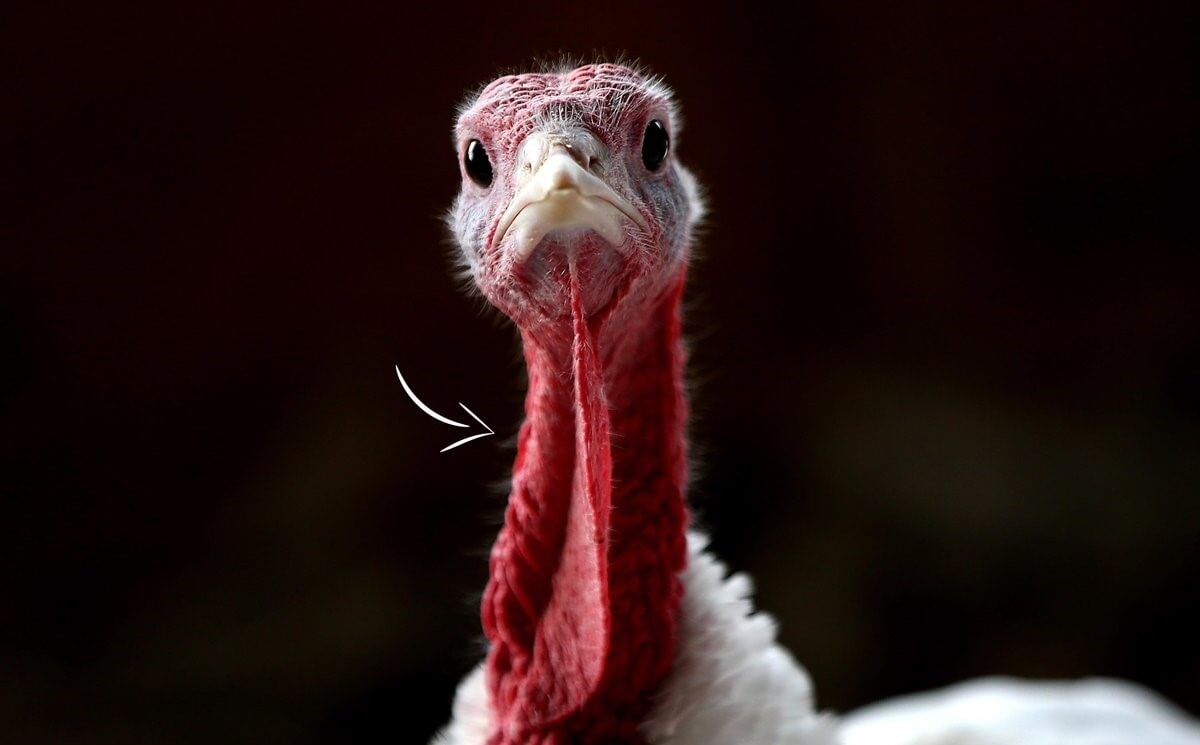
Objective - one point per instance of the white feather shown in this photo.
(1003, 711)
(732, 684)
(471, 717)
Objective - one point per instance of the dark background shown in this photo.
(946, 342)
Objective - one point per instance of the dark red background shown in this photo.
(946, 330)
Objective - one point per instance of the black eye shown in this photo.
(479, 168)
(655, 144)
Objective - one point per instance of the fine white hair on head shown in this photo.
(614, 101)
(648, 84)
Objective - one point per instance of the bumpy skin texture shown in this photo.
(613, 103)
(580, 608)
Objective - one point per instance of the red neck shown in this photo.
(581, 605)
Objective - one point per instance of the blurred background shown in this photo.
(945, 323)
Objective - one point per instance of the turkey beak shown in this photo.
(558, 189)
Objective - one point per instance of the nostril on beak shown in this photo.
(540, 148)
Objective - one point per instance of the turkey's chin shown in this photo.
(600, 267)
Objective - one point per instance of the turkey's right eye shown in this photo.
(479, 168)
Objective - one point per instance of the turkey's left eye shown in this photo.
(654, 145)
(479, 168)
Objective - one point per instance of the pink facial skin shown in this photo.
(613, 103)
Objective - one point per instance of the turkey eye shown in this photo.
(479, 168)
(654, 145)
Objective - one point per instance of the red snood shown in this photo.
(581, 605)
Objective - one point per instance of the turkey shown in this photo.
(606, 619)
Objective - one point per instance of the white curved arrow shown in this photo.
(445, 420)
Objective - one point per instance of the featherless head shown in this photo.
(571, 173)
(574, 218)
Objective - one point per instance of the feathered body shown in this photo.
(1004, 711)
(731, 682)
(606, 620)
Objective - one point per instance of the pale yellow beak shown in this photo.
(559, 194)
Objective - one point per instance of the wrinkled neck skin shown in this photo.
(582, 600)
